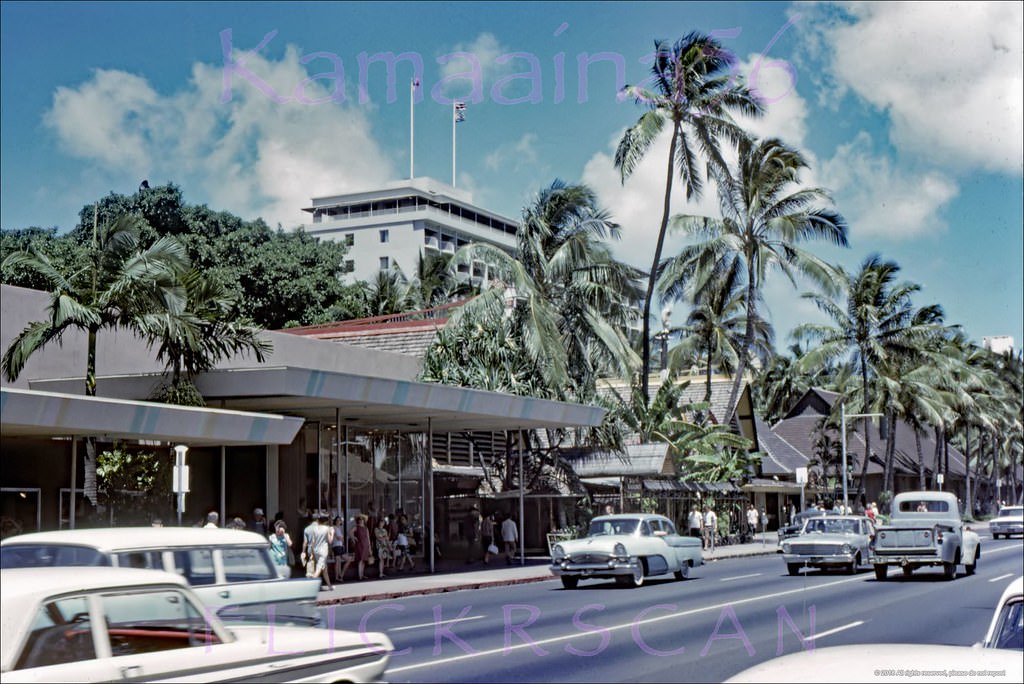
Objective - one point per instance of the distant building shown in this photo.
(397, 222)
(999, 344)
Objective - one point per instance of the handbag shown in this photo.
(371, 560)
(492, 549)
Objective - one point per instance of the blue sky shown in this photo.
(911, 115)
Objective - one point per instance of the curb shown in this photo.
(385, 595)
(485, 584)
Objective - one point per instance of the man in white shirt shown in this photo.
(752, 519)
(695, 522)
(710, 525)
(211, 519)
(509, 535)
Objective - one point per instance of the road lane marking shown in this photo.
(1001, 577)
(830, 632)
(632, 624)
(442, 622)
(729, 579)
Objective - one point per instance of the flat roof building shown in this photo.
(399, 221)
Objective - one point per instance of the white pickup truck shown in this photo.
(925, 529)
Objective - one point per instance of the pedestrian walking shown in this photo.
(487, 536)
(316, 544)
(509, 536)
(281, 546)
(752, 519)
(259, 523)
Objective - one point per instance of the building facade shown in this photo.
(395, 224)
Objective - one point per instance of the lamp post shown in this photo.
(843, 415)
(180, 478)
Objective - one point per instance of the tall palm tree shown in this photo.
(693, 92)
(763, 221)
(119, 282)
(568, 299)
(872, 325)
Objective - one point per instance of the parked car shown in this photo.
(1009, 521)
(114, 624)
(839, 542)
(628, 548)
(232, 571)
(925, 530)
(1007, 628)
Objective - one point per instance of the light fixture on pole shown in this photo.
(180, 478)
(843, 415)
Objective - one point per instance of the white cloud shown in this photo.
(947, 74)
(250, 155)
(481, 60)
(106, 119)
(880, 200)
(513, 156)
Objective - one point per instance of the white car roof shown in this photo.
(126, 538)
(23, 589)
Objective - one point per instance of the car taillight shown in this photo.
(938, 536)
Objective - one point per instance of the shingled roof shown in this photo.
(409, 333)
(800, 426)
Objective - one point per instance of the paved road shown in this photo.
(730, 615)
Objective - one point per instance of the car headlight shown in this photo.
(785, 547)
(620, 550)
(557, 553)
(846, 549)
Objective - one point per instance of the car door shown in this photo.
(61, 644)
(154, 632)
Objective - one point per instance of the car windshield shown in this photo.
(603, 526)
(831, 526)
(1011, 512)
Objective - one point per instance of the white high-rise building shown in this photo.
(397, 222)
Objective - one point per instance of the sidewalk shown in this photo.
(457, 575)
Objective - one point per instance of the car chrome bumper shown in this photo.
(612, 568)
(817, 561)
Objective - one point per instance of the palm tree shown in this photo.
(693, 93)
(207, 330)
(433, 284)
(119, 282)
(876, 324)
(715, 325)
(568, 300)
(762, 224)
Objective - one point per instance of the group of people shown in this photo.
(482, 529)
(705, 524)
(258, 524)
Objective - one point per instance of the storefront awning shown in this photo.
(30, 413)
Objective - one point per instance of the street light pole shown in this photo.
(843, 415)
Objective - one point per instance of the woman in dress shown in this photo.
(382, 545)
(280, 544)
(361, 535)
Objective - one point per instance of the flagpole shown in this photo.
(453, 144)
(412, 127)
